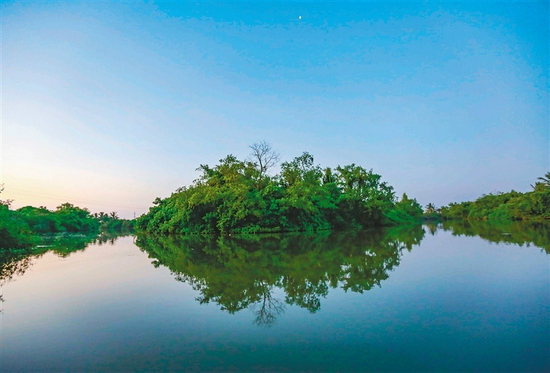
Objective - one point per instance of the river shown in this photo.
(425, 298)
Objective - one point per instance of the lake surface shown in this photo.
(453, 298)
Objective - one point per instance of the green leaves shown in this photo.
(239, 197)
(405, 211)
(534, 205)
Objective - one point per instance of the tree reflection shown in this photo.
(304, 293)
(15, 262)
(244, 272)
(512, 232)
(267, 309)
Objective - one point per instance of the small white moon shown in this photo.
(299, 17)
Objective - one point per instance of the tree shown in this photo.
(365, 198)
(543, 184)
(268, 309)
(237, 196)
(545, 179)
(301, 170)
(328, 176)
(430, 208)
(75, 219)
(264, 157)
(14, 232)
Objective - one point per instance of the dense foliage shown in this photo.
(14, 232)
(239, 196)
(112, 223)
(66, 218)
(534, 205)
(20, 228)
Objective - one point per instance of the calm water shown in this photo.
(417, 299)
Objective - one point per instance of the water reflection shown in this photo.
(107, 309)
(267, 273)
(513, 232)
(14, 262)
(238, 273)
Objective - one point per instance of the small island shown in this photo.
(239, 196)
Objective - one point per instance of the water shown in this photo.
(417, 299)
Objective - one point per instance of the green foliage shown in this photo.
(431, 213)
(76, 219)
(72, 219)
(21, 228)
(14, 232)
(40, 219)
(405, 211)
(534, 205)
(66, 218)
(112, 223)
(240, 197)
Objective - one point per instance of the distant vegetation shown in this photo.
(239, 196)
(21, 228)
(533, 205)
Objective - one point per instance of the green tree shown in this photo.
(301, 170)
(545, 179)
(365, 198)
(237, 196)
(430, 208)
(406, 210)
(14, 232)
(534, 205)
(75, 219)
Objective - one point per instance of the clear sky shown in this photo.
(108, 105)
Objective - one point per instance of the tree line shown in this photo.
(23, 227)
(240, 196)
(510, 206)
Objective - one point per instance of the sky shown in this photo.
(108, 105)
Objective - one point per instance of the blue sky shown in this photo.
(109, 105)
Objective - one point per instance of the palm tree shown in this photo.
(430, 208)
(543, 183)
(545, 179)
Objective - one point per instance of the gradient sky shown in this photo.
(109, 105)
